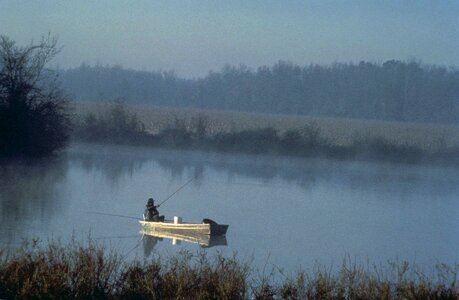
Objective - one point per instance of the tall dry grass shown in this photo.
(90, 271)
(58, 271)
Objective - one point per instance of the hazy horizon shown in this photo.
(195, 37)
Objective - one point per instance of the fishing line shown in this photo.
(135, 247)
(117, 237)
(177, 190)
(113, 215)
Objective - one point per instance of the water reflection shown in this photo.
(29, 192)
(114, 162)
(149, 243)
(333, 207)
(117, 162)
(150, 239)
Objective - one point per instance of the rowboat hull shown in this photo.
(204, 240)
(184, 228)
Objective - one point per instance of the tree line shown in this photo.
(394, 90)
(34, 112)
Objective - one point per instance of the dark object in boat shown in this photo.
(209, 221)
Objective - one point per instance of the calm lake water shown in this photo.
(283, 212)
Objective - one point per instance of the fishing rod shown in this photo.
(113, 215)
(129, 217)
(177, 190)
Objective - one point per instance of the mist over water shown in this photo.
(281, 211)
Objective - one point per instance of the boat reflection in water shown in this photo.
(207, 234)
(151, 238)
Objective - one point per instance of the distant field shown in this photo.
(429, 137)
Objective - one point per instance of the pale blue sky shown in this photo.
(194, 36)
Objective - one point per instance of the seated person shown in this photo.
(151, 212)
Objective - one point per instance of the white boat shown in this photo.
(207, 227)
(204, 240)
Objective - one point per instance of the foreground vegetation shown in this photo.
(121, 126)
(89, 271)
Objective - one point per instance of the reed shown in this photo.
(90, 271)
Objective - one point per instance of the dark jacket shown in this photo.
(151, 213)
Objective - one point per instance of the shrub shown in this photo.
(34, 117)
(117, 126)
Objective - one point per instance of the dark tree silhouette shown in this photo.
(34, 119)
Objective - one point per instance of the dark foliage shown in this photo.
(117, 126)
(394, 90)
(176, 134)
(33, 110)
(262, 140)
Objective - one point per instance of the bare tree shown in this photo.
(33, 109)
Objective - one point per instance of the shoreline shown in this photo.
(119, 124)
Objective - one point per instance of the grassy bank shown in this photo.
(89, 271)
(122, 125)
